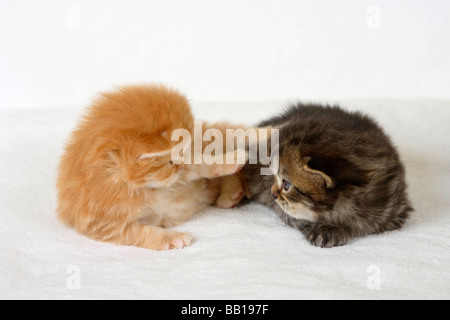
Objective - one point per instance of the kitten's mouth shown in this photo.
(283, 204)
(285, 207)
(299, 211)
(173, 179)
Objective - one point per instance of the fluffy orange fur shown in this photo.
(117, 182)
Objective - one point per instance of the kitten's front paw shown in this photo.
(238, 157)
(326, 236)
(230, 200)
(176, 240)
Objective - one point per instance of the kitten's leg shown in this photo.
(325, 236)
(162, 239)
(142, 235)
(239, 158)
(193, 172)
(231, 191)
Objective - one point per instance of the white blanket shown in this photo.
(242, 253)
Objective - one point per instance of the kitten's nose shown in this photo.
(180, 166)
(275, 191)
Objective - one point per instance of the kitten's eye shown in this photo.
(171, 163)
(286, 185)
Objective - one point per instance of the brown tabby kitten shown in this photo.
(339, 176)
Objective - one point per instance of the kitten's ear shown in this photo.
(328, 181)
(152, 155)
(339, 171)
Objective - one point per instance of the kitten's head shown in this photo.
(306, 186)
(155, 169)
(139, 122)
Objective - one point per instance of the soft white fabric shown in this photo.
(242, 253)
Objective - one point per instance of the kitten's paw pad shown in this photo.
(177, 240)
(226, 201)
(326, 237)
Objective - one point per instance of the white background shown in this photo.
(60, 53)
(238, 60)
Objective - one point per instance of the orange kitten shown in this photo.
(117, 182)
